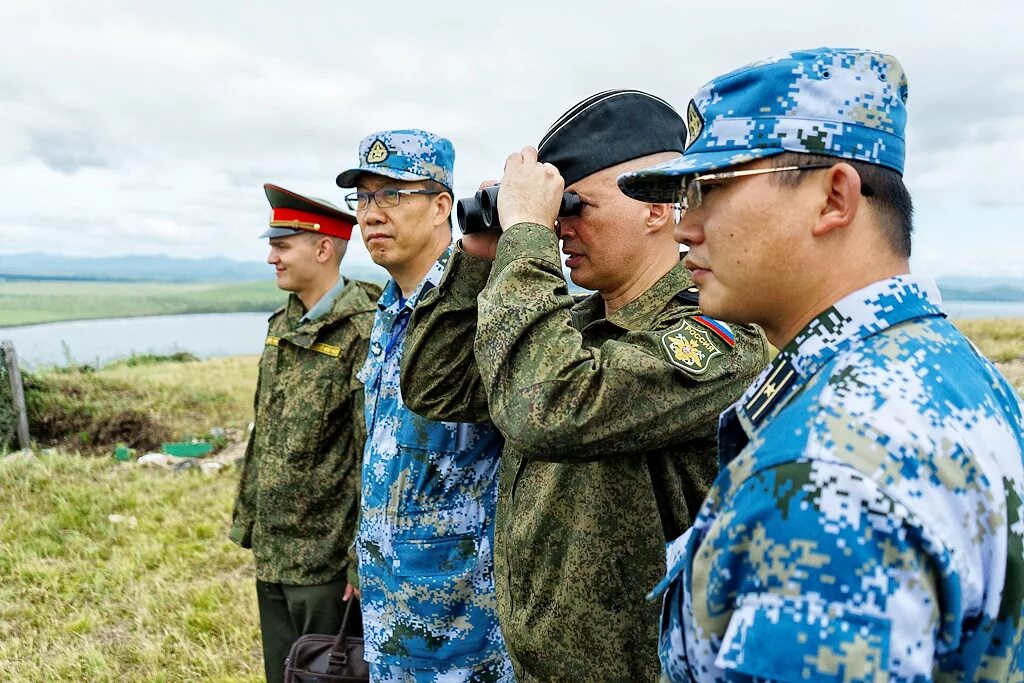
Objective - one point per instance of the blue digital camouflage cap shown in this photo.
(847, 103)
(409, 154)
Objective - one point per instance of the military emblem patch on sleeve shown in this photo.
(377, 153)
(690, 347)
(694, 123)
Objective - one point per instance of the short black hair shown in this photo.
(435, 186)
(883, 187)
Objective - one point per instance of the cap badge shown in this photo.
(690, 348)
(694, 123)
(377, 153)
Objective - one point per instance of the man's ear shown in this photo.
(658, 217)
(324, 249)
(841, 194)
(444, 208)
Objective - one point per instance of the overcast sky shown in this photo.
(149, 127)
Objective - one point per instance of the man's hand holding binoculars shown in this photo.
(531, 192)
(535, 194)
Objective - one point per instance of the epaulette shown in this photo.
(690, 295)
(372, 289)
(772, 389)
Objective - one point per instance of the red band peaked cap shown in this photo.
(290, 210)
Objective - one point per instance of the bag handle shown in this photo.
(339, 653)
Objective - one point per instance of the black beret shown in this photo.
(609, 128)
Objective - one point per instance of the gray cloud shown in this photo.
(151, 127)
(67, 153)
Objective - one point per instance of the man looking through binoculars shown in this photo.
(608, 406)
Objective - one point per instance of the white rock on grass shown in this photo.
(156, 460)
(210, 468)
(121, 519)
(25, 454)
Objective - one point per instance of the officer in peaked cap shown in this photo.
(867, 523)
(292, 214)
(309, 418)
(608, 406)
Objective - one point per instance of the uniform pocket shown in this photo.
(435, 557)
(822, 637)
(419, 433)
(438, 574)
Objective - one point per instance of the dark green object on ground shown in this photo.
(186, 449)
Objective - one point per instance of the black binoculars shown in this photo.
(480, 212)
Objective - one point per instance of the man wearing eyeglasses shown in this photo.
(866, 525)
(429, 489)
(297, 499)
(608, 405)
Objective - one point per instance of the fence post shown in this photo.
(17, 392)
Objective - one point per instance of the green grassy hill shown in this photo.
(26, 303)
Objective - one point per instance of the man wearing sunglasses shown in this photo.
(608, 405)
(866, 525)
(429, 488)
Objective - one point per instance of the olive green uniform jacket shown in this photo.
(298, 498)
(596, 412)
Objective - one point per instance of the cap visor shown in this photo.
(350, 177)
(280, 232)
(661, 183)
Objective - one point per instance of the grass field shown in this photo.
(167, 599)
(85, 599)
(25, 303)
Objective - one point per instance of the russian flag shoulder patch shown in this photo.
(720, 329)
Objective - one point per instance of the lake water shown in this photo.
(100, 341)
(230, 334)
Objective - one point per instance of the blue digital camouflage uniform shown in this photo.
(426, 534)
(866, 524)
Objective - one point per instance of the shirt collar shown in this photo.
(392, 294)
(638, 313)
(326, 302)
(856, 316)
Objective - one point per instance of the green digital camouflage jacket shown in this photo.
(595, 412)
(297, 499)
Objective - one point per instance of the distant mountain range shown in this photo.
(960, 288)
(39, 266)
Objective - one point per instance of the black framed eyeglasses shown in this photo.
(692, 194)
(386, 198)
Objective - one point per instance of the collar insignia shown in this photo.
(776, 386)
